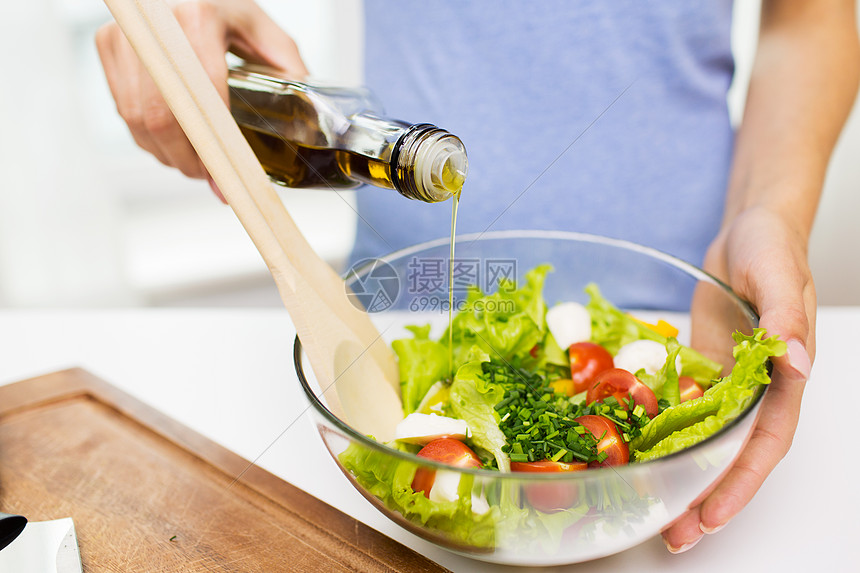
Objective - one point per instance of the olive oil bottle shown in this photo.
(312, 136)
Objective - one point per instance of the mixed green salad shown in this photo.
(524, 388)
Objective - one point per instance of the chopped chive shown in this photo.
(540, 425)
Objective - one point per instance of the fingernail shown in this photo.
(798, 358)
(683, 548)
(215, 189)
(710, 530)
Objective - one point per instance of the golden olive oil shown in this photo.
(455, 203)
(294, 165)
(313, 136)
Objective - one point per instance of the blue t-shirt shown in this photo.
(600, 117)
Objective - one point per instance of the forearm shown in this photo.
(803, 84)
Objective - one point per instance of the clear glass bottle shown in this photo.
(332, 137)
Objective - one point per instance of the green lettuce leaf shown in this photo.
(664, 382)
(505, 324)
(674, 419)
(749, 372)
(473, 400)
(529, 297)
(390, 480)
(422, 362)
(553, 353)
(610, 327)
(505, 524)
(690, 422)
(682, 439)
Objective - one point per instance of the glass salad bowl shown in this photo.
(540, 518)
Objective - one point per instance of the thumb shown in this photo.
(784, 295)
(765, 261)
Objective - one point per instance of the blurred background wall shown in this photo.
(87, 219)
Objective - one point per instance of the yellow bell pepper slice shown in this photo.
(662, 327)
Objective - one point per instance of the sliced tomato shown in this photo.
(623, 385)
(587, 360)
(563, 386)
(689, 388)
(552, 496)
(608, 440)
(447, 451)
(547, 466)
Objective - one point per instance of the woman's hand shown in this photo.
(803, 85)
(213, 28)
(764, 260)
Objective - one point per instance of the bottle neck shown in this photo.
(428, 164)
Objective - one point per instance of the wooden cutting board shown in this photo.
(148, 494)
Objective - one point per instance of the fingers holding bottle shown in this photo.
(213, 28)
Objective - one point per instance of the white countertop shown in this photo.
(228, 374)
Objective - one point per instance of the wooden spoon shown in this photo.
(344, 347)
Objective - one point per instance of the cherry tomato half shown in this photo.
(622, 384)
(689, 389)
(547, 466)
(552, 496)
(587, 360)
(608, 440)
(447, 451)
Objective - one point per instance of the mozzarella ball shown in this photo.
(643, 354)
(569, 323)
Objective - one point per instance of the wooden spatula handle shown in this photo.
(334, 333)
